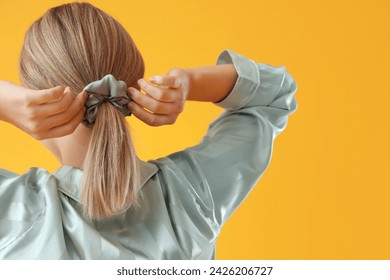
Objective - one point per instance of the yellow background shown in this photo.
(326, 192)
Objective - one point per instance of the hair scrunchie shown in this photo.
(108, 89)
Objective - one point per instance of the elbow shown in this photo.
(285, 101)
(289, 87)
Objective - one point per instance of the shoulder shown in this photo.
(23, 200)
(32, 180)
(25, 192)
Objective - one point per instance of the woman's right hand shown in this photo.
(164, 101)
(43, 114)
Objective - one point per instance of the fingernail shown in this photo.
(153, 78)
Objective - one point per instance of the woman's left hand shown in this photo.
(164, 101)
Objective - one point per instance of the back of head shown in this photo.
(73, 45)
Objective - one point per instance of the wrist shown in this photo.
(193, 78)
(9, 96)
(3, 100)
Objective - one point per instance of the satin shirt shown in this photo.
(186, 196)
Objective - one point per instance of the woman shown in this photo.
(105, 203)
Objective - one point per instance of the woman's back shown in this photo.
(184, 199)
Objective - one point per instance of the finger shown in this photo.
(80, 100)
(74, 109)
(58, 106)
(158, 93)
(47, 95)
(150, 118)
(146, 101)
(67, 128)
(165, 80)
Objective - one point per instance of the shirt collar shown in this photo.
(70, 178)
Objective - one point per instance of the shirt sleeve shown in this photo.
(235, 152)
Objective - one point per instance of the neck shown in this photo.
(71, 150)
(75, 147)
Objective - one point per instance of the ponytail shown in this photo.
(111, 178)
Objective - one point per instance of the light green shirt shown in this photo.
(187, 196)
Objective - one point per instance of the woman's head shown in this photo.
(76, 44)
(73, 45)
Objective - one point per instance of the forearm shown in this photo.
(211, 83)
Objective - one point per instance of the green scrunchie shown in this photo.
(109, 90)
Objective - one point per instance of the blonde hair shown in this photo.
(73, 45)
